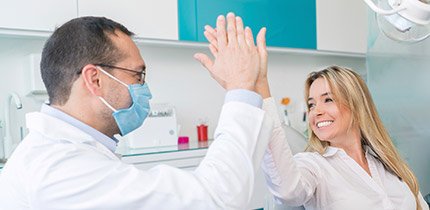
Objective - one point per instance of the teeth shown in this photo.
(324, 123)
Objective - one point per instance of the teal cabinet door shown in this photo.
(289, 23)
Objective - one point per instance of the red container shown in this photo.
(202, 132)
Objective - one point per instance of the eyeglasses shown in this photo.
(142, 73)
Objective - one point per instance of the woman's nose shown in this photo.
(318, 110)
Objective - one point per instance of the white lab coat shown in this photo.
(57, 166)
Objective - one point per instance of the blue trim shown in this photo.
(187, 20)
(288, 23)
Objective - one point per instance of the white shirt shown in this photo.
(332, 181)
(59, 166)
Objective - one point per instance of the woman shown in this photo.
(350, 162)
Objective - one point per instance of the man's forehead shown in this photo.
(128, 49)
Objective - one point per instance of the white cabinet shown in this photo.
(342, 26)
(148, 18)
(40, 15)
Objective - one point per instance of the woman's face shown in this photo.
(327, 120)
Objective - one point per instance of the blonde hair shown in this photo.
(350, 90)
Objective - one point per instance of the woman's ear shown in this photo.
(91, 78)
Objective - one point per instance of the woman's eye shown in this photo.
(311, 106)
(328, 100)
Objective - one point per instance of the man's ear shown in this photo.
(91, 78)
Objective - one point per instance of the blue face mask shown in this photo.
(131, 118)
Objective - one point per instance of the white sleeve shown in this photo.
(291, 181)
(230, 165)
(223, 180)
(225, 177)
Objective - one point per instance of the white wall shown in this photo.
(342, 25)
(173, 76)
(14, 61)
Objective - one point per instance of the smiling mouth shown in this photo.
(324, 123)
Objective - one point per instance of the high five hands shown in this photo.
(238, 63)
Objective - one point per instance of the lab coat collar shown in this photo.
(44, 123)
(54, 128)
(110, 143)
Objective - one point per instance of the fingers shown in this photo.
(210, 35)
(242, 35)
(262, 52)
(261, 46)
(235, 33)
(237, 62)
(248, 37)
(231, 29)
(213, 44)
(262, 86)
(209, 65)
(240, 31)
(213, 50)
(204, 60)
(211, 30)
(261, 40)
(220, 32)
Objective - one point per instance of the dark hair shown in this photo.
(79, 42)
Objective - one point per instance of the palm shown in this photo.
(237, 59)
(211, 36)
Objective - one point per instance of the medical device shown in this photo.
(159, 128)
(403, 20)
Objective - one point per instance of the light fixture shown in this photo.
(403, 20)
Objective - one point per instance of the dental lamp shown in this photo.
(403, 20)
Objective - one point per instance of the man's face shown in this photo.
(118, 94)
(115, 93)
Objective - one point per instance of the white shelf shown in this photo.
(203, 45)
(169, 43)
(18, 33)
(314, 52)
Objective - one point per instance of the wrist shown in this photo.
(245, 86)
(263, 89)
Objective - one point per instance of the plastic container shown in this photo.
(202, 132)
(183, 142)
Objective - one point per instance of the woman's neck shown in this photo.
(353, 147)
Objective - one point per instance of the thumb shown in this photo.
(204, 60)
(261, 46)
(261, 40)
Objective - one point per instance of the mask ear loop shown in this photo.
(107, 104)
(109, 75)
(112, 77)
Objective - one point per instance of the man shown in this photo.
(95, 78)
